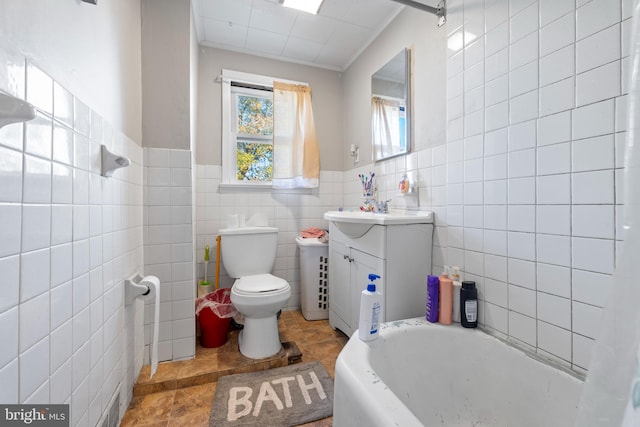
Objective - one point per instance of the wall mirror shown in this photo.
(390, 107)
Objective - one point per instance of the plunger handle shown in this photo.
(218, 239)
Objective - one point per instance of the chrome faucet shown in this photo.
(382, 207)
(371, 204)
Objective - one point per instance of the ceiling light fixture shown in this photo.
(309, 6)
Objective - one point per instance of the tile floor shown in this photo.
(181, 393)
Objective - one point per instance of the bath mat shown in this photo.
(280, 397)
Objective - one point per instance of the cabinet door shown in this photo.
(339, 286)
(362, 265)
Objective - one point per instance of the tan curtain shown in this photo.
(385, 126)
(296, 158)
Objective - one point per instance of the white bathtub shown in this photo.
(422, 374)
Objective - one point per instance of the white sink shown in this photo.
(356, 223)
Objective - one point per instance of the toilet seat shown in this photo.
(260, 284)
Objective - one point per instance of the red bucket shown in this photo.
(214, 329)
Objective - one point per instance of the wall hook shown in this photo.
(111, 162)
(14, 110)
(355, 153)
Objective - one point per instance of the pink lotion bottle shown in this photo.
(445, 311)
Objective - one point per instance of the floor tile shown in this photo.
(181, 393)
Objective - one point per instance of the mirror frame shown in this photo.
(408, 90)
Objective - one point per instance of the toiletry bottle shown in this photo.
(404, 184)
(455, 277)
(445, 311)
(370, 305)
(433, 285)
(469, 304)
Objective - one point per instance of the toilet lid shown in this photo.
(260, 283)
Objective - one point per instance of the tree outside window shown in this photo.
(254, 131)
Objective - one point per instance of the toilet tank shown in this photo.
(248, 250)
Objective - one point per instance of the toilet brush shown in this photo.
(206, 285)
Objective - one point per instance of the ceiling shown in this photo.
(332, 39)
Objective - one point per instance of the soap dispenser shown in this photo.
(370, 306)
(404, 185)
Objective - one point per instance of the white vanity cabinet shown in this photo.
(349, 269)
(399, 254)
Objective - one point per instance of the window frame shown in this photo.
(229, 116)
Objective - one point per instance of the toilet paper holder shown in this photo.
(139, 286)
(133, 288)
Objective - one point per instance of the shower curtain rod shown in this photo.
(440, 10)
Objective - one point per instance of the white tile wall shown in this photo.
(553, 131)
(169, 250)
(65, 244)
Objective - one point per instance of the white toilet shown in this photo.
(248, 255)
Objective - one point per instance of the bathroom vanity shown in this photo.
(395, 246)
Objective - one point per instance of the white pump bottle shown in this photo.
(370, 307)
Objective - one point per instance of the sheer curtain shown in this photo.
(385, 126)
(296, 158)
(611, 394)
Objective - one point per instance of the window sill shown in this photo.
(250, 188)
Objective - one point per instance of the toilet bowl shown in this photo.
(248, 255)
(259, 337)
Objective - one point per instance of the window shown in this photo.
(247, 129)
(258, 151)
(253, 133)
